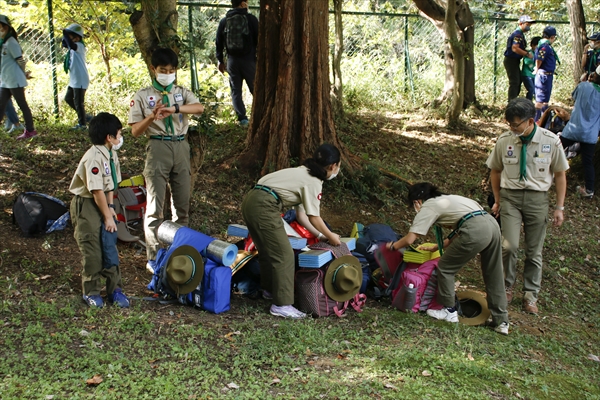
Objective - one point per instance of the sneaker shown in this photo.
(286, 312)
(584, 193)
(151, 266)
(27, 134)
(530, 306)
(79, 127)
(17, 127)
(267, 295)
(445, 314)
(509, 295)
(94, 301)
(502, 328)
(244, 122)
(117, 297)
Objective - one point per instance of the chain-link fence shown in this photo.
(389, 60)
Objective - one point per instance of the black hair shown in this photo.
(422, 191)
(162, 57)
(102, 125)
(323, 157)
(12, 31)
(594, 78)
(534, 41)
(519, 108)
(236, 3)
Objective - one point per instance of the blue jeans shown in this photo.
(240, 70)
(529, 83)
(11, 115)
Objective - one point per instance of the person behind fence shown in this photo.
(591, 56)
(13, 76)
(515, 51)
(238, 34)
(527, 75)
(93, 212)
(474, 231)
(545, 65)
(523, 163)
(12, 122)
(161, 112)
(262, 208)
(583, 128)
(74, 65)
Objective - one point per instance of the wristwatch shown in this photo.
(111, 206)
(560, 208)
(176, 108)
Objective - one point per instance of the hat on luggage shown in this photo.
(474, 308)
(343, 278)
(184, 269)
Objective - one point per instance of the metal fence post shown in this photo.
(193, 70)
(495, 57)
(406, 61)
(53, 58)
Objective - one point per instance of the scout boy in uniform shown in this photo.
(160, 111)
(93, 212)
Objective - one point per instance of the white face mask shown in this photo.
(165, 79)
(119, 145)
(334, 174)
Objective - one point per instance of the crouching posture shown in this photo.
(474, 231)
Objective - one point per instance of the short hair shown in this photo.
(519, 108)
(594, 78)
(162, 57)
(422, 191)
(236, 3)
(534, 41)
(102, 125)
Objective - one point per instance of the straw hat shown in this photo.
(184, 270)
(242, 259)
(474, 308)
(343, 278)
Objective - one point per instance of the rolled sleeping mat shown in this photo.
(217, 250)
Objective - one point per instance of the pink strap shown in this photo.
(338, 312)
(358, 301)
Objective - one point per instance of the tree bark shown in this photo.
(291, 110)
(338, 87)
(457, 47)
(578, 31)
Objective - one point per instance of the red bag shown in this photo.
(416, 275)
(305, 233)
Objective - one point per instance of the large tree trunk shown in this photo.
(457, 47)
(577, 20)
(338, 88)
(291, 111)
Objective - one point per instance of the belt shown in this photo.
(464, 219)
(547, 73)
(268, 190)
(169, 138)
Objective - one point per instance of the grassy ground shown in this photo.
(52, 344)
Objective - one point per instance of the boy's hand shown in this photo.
(428, 247)
(164, 112)
(110, 225)
(334, 239)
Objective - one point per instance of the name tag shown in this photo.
(541, 160)
(178, 97)
(546, 148)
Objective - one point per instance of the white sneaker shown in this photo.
(444, 314)
(502, 328)
(286, 312)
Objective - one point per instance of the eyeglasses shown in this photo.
(513, 126)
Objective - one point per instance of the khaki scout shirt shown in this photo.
(93, 172)
(295, 186)
(146, 99)
(545, 156)
(445, 210)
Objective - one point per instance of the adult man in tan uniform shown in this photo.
(160, 111)
(523, 163)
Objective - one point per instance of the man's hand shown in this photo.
(558, 218)
(110, 225)
(221, 67)
(334, 239)
(496, 210)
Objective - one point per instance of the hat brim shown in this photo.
(241, 260)
(476, 302)
(191, 251)
(328, 281)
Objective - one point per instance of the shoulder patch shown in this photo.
(132, 103)
(319, 196)
(95, 170)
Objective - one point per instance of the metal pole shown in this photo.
(406, 61)
(193, 71)
(53, 58)
(495, 57)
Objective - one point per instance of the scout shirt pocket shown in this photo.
(511, 167)
(541, 166)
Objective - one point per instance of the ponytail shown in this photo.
(323, 157)
(422, 191)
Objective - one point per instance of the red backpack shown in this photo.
(415, 280)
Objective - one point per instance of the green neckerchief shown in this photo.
(544, 41)
(113, 168)
(3, 40)
(592, 60)
(165, 100)
(525, 140)
(67, 60)
(596, 86)
(439, 238)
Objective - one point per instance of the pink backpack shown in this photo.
(413, 283)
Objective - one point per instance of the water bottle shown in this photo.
(406, 298)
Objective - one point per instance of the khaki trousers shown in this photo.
(262, 214)
(530, 209)
(167, 162)
(87, 222)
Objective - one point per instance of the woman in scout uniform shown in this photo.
(161, 112)
(74, 65)
(13, 76)
(93, 212)
(474, 231)
(262, 208)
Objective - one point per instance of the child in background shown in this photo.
(527, 75)
(12, 122)
(93, 212)
(74, 64)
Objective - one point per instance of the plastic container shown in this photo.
(406, 298)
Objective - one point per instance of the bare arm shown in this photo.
(560, 180)
(317, 222)
(303, 220)
(495, 181)
(516, 49)
(404, 242)
(195, 108)
(102, 203)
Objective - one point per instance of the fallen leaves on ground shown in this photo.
(94, 380)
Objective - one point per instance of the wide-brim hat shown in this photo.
(474, 308)
(4, 19)
(75, 29)
(184, 269)
(343, 278)
(241, 260)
